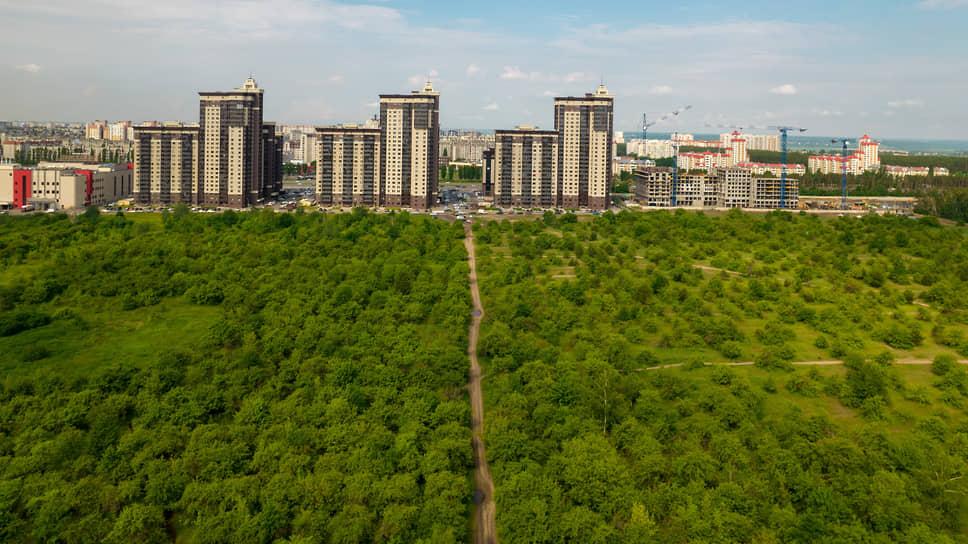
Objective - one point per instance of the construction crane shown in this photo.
(646, 124)
(675, 160)
(843, 173)
(783, 149)
(675, 166)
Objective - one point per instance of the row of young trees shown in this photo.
(587, 446)
(294, 169)
(453, 172)
(309, 389)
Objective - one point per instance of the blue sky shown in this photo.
(890, 68)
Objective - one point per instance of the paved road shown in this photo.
(485, 530)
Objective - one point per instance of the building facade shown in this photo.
(656, 149)
(231, 133)
(64, 186)
(584, 126)
(271, 160)
(867, 157)
(167, 162)
(487, 171)
(348, 169)
(721, 188)
(468, 148)
(409, 134)
(758, 142)
(654, 189)
(526, 168)
(703, 161)
(307, 148)
(230, 158)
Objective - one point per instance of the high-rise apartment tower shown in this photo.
(584, 126)
(348, 166)
(231, 132)
(166, 164)
(526, 167)
(409, 134)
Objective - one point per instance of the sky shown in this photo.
(893, 69)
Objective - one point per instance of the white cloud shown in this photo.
(492, 107)
(784, 90)
(337, 79)
(256, 18)
(513, 73)
(549, 93)
(660, 90)
(942, 4)
(578, 76)
(420, 79)
(31, 68)
(906, 103)
(473, 70)
(826, 113)
(745, 35)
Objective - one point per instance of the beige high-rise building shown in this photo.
(231, 133)
(119, 130)
(584, 126)
(737, 149)
(348, 166)
(525, 170)
(308, 144)
(410, 130)
(167, 164)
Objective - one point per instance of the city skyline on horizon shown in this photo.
(835, 69)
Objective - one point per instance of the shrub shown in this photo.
(873, 408)
(769, 360)
(34, 352)
(943, 364)
(21, 320)
(884, 358)
(722, 375)
(731, 350)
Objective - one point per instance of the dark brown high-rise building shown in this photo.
(232, 143)
(488, 170)
(348, 166)
(167, 164)
(409, 138)
(271, 160)
(526, 167)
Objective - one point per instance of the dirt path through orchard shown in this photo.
(485, 530)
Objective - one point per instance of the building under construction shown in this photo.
(720, 188)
